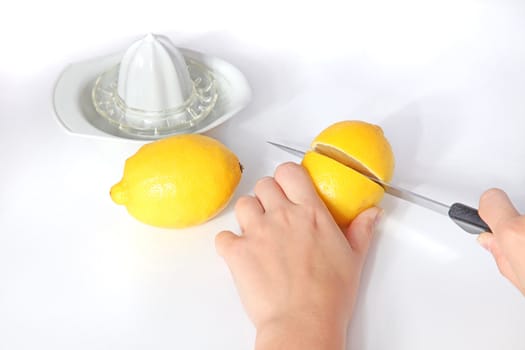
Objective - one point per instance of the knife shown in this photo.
(465, 216)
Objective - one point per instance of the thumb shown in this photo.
(361, 229)
(495, 207)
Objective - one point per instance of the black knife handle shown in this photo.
(468, 218)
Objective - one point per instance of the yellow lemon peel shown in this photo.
(340, 154)
(179, 181)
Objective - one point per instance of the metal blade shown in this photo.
(413, 197)
(290, 150)
(393, 190)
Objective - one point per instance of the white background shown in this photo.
(445, 79)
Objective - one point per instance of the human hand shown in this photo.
(507, 242)
(296, 272)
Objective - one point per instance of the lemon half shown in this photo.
(340, 155)
(179, 181)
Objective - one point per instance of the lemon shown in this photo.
(179, 181)
(339, 156)
(359, 145)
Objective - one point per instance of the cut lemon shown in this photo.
(340, 155)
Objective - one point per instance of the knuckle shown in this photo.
(242, 202)
(223, 243)
(262, 182)
(231, 248)
(286, 169)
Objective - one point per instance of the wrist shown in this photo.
(304, 332)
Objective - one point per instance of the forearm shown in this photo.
(301, 334)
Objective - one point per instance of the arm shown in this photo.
(507, 243)
(296, 272)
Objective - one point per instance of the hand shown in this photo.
(507, 242)
(296, 272)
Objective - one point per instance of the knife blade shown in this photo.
(463, 215)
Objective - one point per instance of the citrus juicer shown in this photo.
(154, 90)
(151, 90)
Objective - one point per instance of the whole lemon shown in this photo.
(339, 156)
(178, 181)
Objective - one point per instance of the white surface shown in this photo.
(445, 79)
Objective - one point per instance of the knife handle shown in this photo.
(468, 218)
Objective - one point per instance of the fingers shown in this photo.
(269, 193)
(291, 183)
(507, 242)
(360, 232)
(488, 241)
(248, 209)
(296, 184)
(224, 243)
(495, 207)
